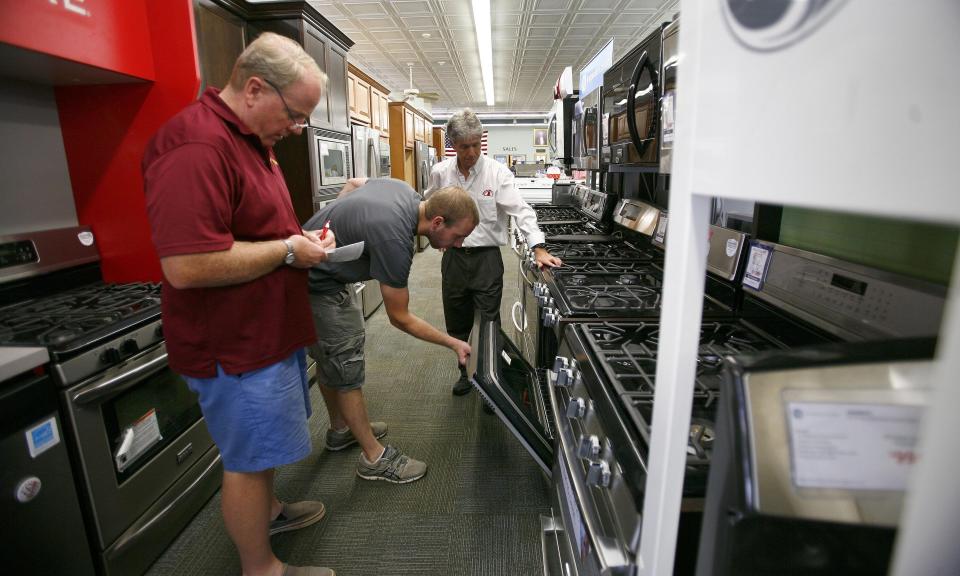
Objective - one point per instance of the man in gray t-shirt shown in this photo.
(385, 214)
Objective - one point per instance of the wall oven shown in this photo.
(331, 164)
(631, 107)
(145, 462)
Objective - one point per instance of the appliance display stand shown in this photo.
(835, 124)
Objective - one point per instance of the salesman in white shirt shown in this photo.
(473, 274)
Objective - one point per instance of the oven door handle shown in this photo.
(641, 143)
(110, 385)
(513, 316)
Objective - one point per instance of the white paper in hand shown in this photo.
(345, 253)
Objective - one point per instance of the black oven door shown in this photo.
(516, 391)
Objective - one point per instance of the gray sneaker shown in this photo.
(340, 440)
(392, 466)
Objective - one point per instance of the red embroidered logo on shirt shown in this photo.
(488, 192)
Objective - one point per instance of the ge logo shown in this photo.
(775, 24)
(72, 6)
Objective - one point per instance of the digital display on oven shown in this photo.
(858, 287)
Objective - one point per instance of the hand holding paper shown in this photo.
(345, 253)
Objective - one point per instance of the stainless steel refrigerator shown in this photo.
(424, 157)
(367, 164)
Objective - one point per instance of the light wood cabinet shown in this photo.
(439, 141)
(385, 114)
(359, 95)
(408, 126)
(420, 128)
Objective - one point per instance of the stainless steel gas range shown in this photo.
(586, 416)
(144, 462)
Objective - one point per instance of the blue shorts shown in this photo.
(258, 419)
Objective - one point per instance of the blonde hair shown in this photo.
(453, 203)
(275, 58)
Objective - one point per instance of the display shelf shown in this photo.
(818, 121)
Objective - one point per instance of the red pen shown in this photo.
(323, 231)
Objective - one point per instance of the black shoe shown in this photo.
(462, 386)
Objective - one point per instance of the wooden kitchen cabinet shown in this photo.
(439, 141)
(385, 114)
(221, 37)
(408, 126)
(359, 97)
(419, 128)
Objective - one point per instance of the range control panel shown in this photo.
(18, 253)
(863, 302)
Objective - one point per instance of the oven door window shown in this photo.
(514, 389)
(145, 418)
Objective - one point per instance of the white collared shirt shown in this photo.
(490, 184)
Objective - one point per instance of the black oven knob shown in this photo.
(576, 409)
(110, 356)
(559, 363)
(129, 347)
(159, 331)
(589, 447)
(598, 474)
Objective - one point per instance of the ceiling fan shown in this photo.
(411, 92)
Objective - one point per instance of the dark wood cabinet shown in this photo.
(221, 37)
(223, 29)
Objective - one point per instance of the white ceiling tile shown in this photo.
(366, 8)
(646, 4)
(553, 5)
(547, 19)
(404, 7)
(427, 23)
(543, 32)
(376, 24)
(586, 19)
(540, 42)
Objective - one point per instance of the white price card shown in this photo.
(137, 439)
(757, 263)
(852, 446)
(660, 234)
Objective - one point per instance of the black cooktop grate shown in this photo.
(75, 314)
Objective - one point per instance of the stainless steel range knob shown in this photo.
(564, 377)
(540, 289)
(589, 448)
(598, 474)
(577, 408)
(551, 317)
(559, 363)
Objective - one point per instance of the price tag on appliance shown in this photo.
(660, 235)
(42, 437)
(667, 116)
(852, 446)
(757, 264)
(137, 439)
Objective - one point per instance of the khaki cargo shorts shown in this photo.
(340, 339)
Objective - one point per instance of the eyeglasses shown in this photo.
(294, 120)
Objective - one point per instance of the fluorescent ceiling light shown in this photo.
(481, 20)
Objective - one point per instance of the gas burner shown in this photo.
(62, 318)
(628, 279)
(578, 279)
(700, 442)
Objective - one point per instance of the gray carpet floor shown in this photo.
(476, 512)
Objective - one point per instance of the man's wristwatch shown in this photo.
(290, 258)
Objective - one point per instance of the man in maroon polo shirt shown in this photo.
(236, 311)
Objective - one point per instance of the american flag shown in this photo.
(449, 152)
